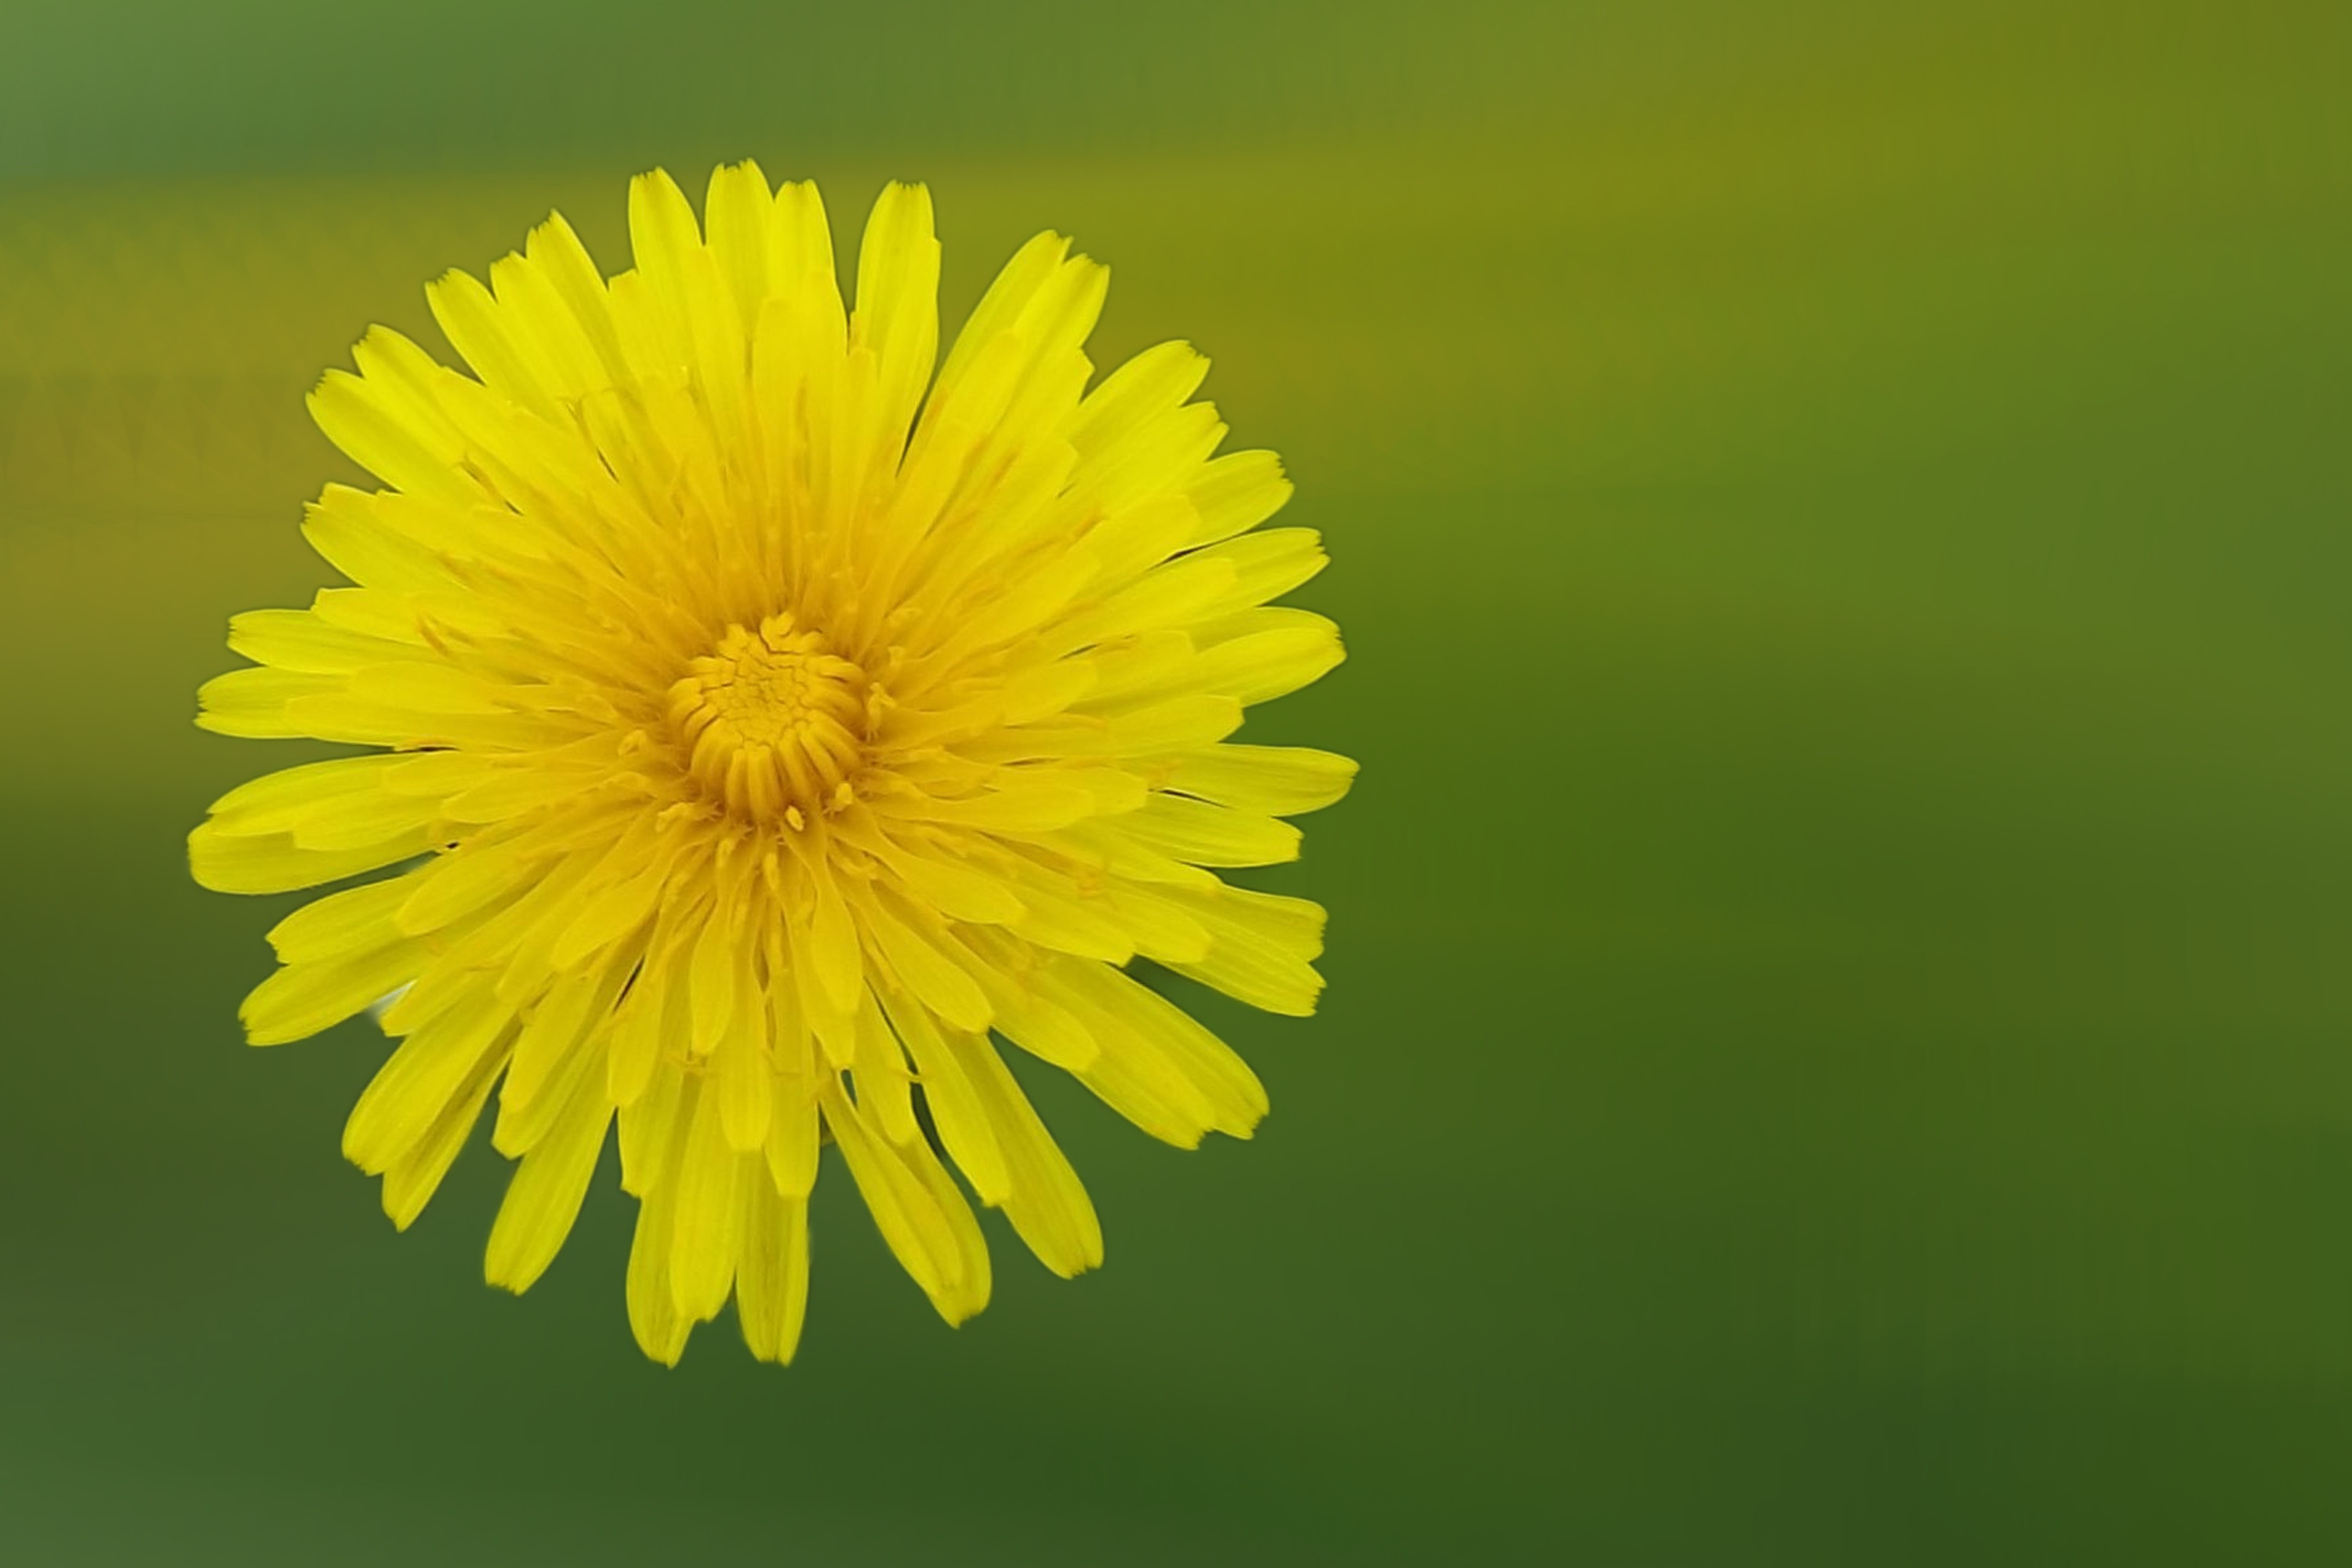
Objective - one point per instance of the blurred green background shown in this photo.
(1840, 1041)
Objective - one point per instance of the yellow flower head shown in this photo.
(760, 727)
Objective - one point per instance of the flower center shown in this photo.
(772, 721)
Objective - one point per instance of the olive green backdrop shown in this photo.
(1840, 1038)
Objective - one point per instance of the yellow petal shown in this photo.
(1265, 565)
(738, 212)
(410, 1182)
(1262, 949)
(544, 1195)
(793, 1135)
(662, 237)
(1047, 1205)
(1103, 846)
(470, 317)
(1035, 1024)
(302, 999)
(641, 1024)
(970, 1293)
(609, 911)
(1276, 781)
(833, 951)
(802, 240)
(274, 863)
(771, 1273)
(300, 640)
(1157, 1038)
(551, 1050)
(1201, 833)
(1190, 588)
(1277, 984)
(388, 420)
(905, 1209)
(884, 1088)
(348, 528)
(927, 970)
(572, 276)
(1294, 649)
(347, 803)
(341, 923)
(897, 303)
(274, 802)
(1155, 380)
(710, 983)
(953, 888)
(1020, 802)
(649, 1130)
(562, 352)
(1031, 268)
(713, 1183)
(746, 1084)
(1151, 1097)
(1161, 929)
(1157, 454)
(254, 703)
(1176, 725)
(955, 1109)
(1236, 492)
(473, 875)
(433, 1066)
(661, 1329)
(1089, 929)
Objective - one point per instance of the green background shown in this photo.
(1840, 1037)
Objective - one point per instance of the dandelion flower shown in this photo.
(763, 735)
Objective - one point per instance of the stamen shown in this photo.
(773, 722)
